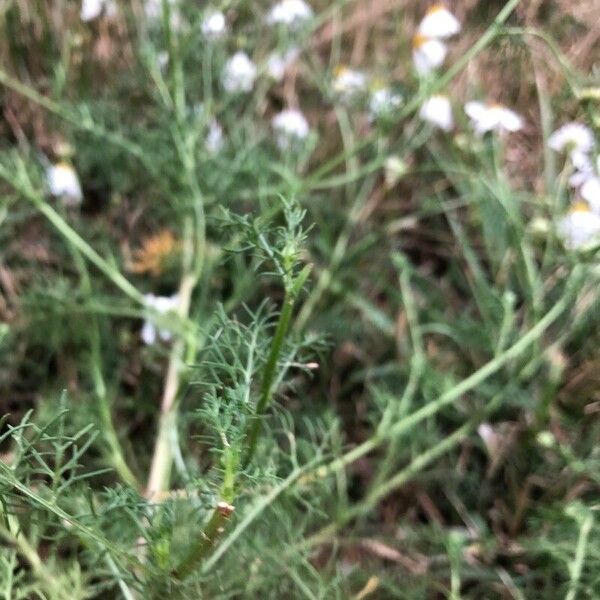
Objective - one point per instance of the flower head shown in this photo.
(92, 9)
(289, 12)
(63, 183)
(214, 25)
(437, 110)
(428, 53)
(492, 117)
(573, 137)
(290, 127)
(277, 62)
(383, 100)
(162, 305)
(590, 192)
(239, 73)
(348, 82)
(580, 227)
(214, 138)
(439, 22)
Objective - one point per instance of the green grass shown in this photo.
(313, 427)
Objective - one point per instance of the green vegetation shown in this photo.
(245, 353)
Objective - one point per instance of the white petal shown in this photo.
(574, 136)
(492, 117)
(578, 228)
(290, 126)
(383, 101)
(289, 12)
(439, 22)
(581, 161)
(148, 333)
(428, 55)
(349, 82)
(437, 110)
(63, 182)
(510, 120)
(214, 25)
(239, 73)
(475, 110)
(90, 9)
(214, 139)
(590, 191)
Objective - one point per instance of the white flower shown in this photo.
(214, 25)
(428, 53)
(573, 137)
(579, 227)
(289, 12)
(437, 110)
(590, 191)
(348, 81)
(383, 100)
(162, 59)
(277, 63)
(439, 22)
(214, 138)
(239, 73)
(91, 9)
(290, 127)
(395, 169)
(162, 305)
(63, 183)
(492, 117)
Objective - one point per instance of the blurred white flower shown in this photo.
(348, 82)
(63, 183)
(163, 305)
(584, 168)
(289, 12)
(92, 9)
(277, 63)
(428, 53)
(382, 101)
(579, 227)
(162, 59)
(214, 138)
(437, 110)
(214, 25)
(290, 127)
(492, 117)
(239, 73)
(573, 137)
(395, 169)
(439, 22)
(590, 192)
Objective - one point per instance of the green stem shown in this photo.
(74, 238)
(461, 388)
(266, 388)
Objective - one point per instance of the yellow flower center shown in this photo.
(435, 8)
(579, 206)
(418, 40)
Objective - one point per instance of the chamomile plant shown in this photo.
(298, 300)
